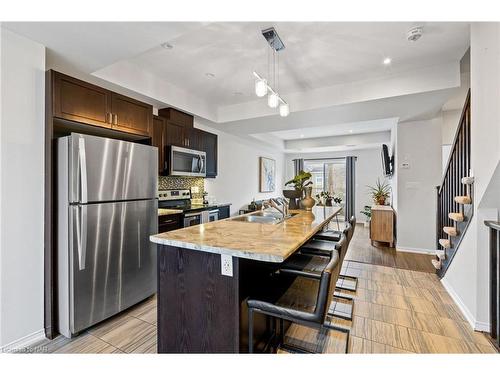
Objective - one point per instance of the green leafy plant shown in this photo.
(324, 194)
(367, 211)
(380, 192)
(337, 200)
(328, 198)
(300, 181)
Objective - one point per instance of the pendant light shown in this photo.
(273, 100)
(262, 87)
(284, 109)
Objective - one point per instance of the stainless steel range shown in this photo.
(194, 214)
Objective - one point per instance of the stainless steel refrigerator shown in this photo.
(106, 211)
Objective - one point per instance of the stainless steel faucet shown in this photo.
(272, 203)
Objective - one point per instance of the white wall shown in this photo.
(237, 181)
(467, 277)
(419, 144)
(22, 188)
(368, 169)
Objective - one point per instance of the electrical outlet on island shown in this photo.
(226, 262)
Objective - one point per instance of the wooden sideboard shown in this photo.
(382, 225)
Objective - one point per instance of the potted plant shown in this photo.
(380, 192)
(337, 200)
(367, 211)
(324, 198)
(300, 182)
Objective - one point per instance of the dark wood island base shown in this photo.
(202, 311)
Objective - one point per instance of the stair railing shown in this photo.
(458, 166)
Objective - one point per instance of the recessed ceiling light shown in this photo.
(302, 136)
(210, 75)
(167, 45)
(350, 131)
(387, 61)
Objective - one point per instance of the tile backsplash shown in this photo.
(165, 183)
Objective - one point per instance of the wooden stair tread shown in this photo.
(463, 199)
(445, 243)
(436, 263)
(456, 216)
(450, 231)
(467, 180)
(441, 254)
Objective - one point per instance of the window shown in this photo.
(327, 175)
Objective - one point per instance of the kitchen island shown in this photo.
(202, 310)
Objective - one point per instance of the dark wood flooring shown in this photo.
(362, 251)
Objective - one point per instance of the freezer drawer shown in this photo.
(111, 262)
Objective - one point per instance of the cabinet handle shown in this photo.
(109, 117)
(115, 119)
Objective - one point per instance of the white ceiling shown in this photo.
(317, 54)
(336, 129)
(332, 72)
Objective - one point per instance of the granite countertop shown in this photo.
(168, 211)
(264, 242)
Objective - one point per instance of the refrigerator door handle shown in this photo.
(82, 160)
(81, 236)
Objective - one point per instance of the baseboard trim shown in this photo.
(23, 344)
(415, 250)
(482, 326)
(477, 326)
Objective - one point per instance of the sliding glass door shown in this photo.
(328, 175)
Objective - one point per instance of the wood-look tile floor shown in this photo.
(396, 311)
(132, 331)
(399, 307)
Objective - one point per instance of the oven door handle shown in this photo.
(193, 214)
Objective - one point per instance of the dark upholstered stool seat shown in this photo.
(328, 235)
(299, 263)
(318, 247)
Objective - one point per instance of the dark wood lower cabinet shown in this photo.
(202, 311)
(224, 212)
(167, 223)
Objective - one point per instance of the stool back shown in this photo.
(329, 277)
(352, 222)
(343, 244)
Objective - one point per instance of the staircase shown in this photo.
(454, 196)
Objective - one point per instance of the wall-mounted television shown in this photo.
(387, 161)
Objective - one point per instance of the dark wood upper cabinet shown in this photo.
(178, 117)
(131, 115)
(175, 134)
(193, 138)
(80, 101)
(208, 143)
(158, 140)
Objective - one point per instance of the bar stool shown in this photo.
(314, 317)
(345, 282)
(309, 264)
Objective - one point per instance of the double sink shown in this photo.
(263, 217)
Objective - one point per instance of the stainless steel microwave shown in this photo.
(187, 162)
